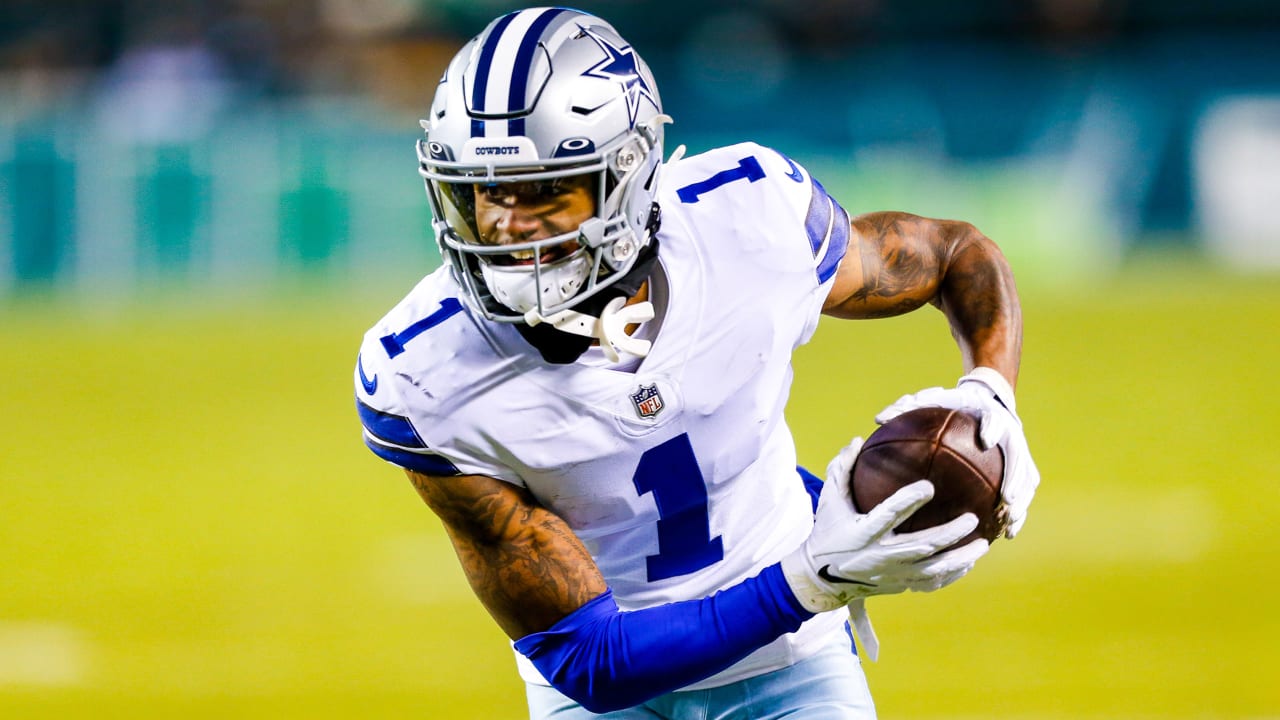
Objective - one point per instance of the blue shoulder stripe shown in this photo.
(837, 246)
(827, 225)
(393, 429)
(397, 430)
(818, 220)
(425, 463)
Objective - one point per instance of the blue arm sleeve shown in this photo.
(607, 660)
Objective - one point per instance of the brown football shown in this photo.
(939, 445)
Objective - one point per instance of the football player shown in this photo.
(590, 392)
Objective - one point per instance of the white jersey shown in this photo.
(678, 473)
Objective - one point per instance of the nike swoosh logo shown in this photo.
(794, 174)
(370, 386)
(825, 574)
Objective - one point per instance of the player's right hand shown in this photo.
(987, 395)
(850, 555)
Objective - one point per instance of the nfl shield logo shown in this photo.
(648, 400)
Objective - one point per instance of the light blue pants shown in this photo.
(827, 686)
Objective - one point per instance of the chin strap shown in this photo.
(562, 337)
(610, 328)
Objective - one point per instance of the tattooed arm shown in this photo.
(523, 562)
(545, 591)
(897, 262)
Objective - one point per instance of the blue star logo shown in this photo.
(619, 65)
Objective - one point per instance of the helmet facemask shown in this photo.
(542, 95)
(516, 281)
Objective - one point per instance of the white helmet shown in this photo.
(539, 95)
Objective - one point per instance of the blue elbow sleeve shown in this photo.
(606, 659)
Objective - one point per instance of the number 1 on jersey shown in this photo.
(670, 471)
(748, 169)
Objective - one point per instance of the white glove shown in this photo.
(886, 562)
(986, 394)
(850, 556)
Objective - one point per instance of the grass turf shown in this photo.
(190, 525)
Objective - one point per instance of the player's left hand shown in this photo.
(986, 394)
(932, 573)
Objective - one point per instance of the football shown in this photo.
(939, 445)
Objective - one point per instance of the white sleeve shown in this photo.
(825, 223)
(388, 431)
(827, 231)
(781, 219)
(408, 397)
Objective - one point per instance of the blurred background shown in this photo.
(225, 141)
(204, 203)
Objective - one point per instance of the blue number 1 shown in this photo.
(748, 169)
(394, 343)
(670, 471)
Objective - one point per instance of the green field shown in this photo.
(191, 527)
